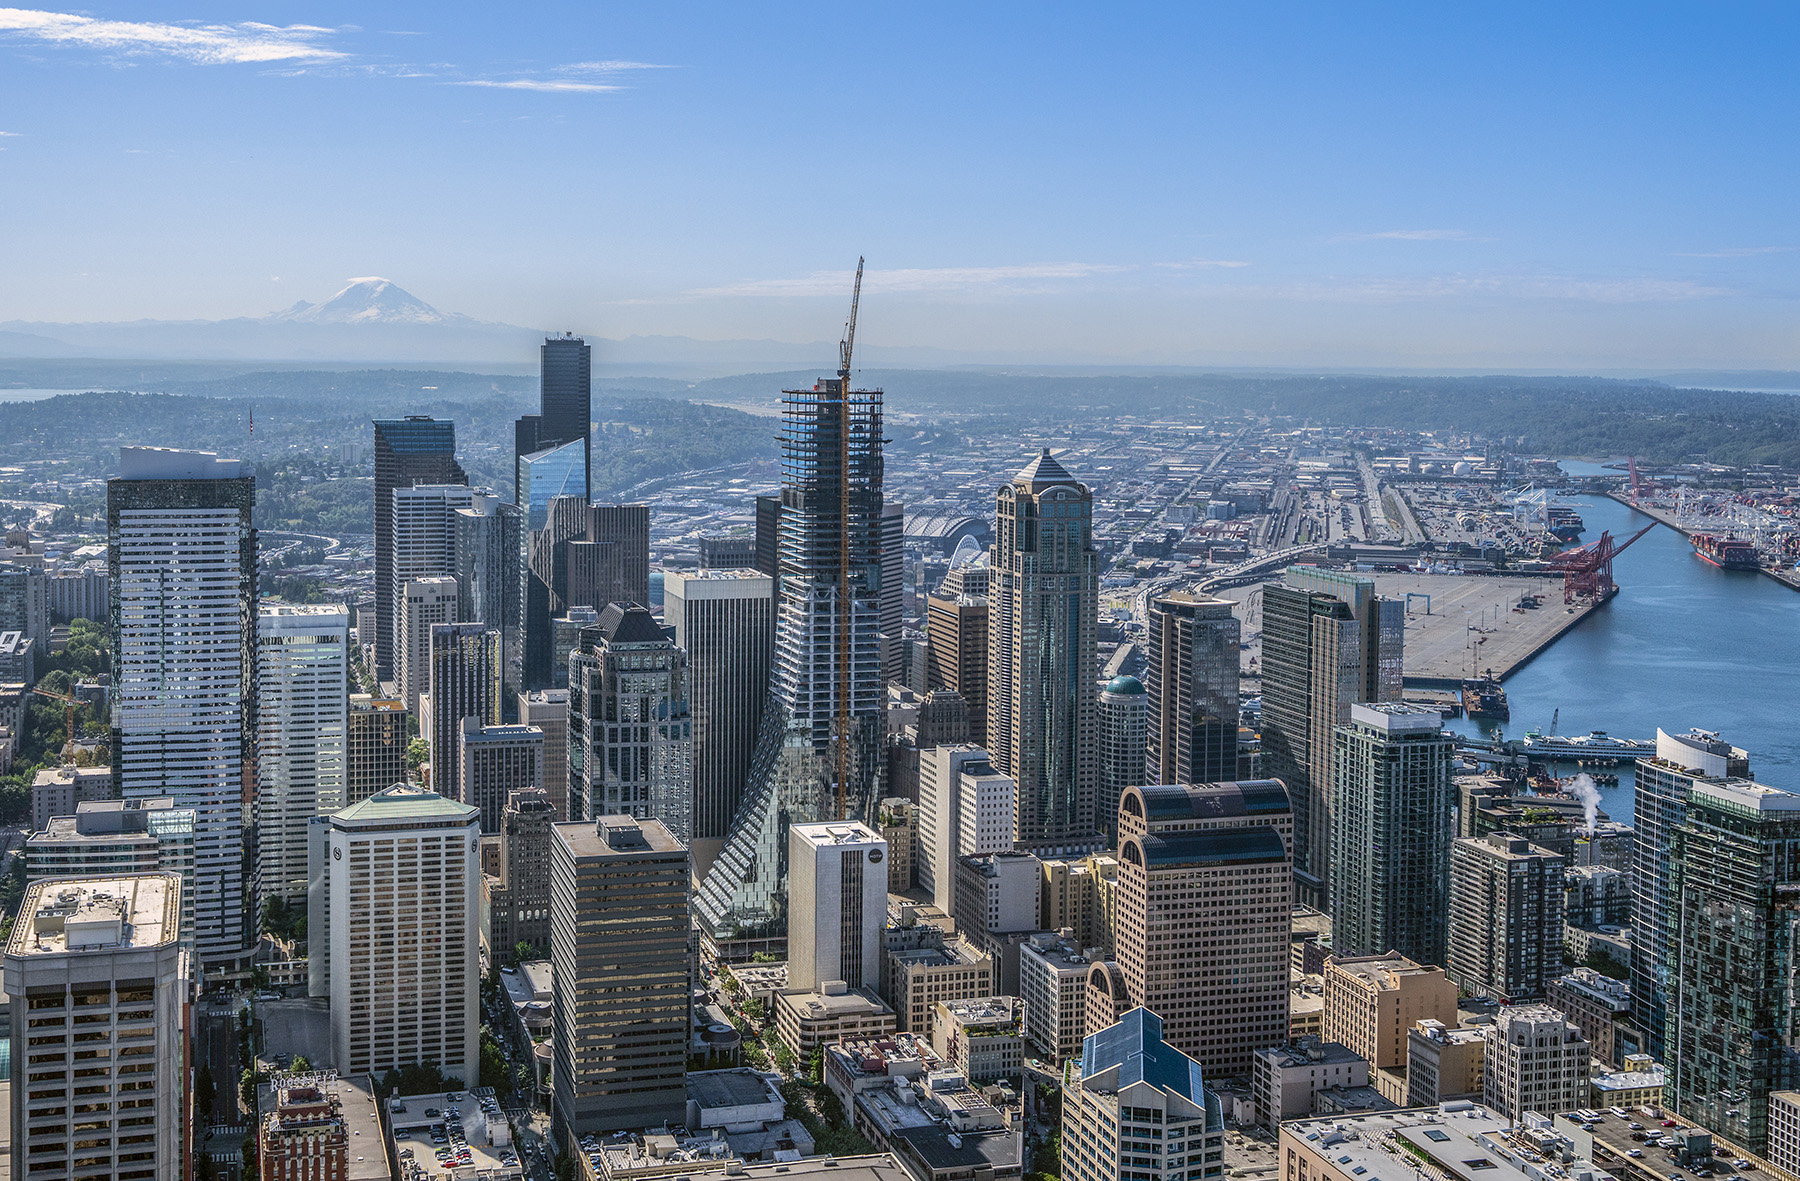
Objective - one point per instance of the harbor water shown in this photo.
(1683, 645)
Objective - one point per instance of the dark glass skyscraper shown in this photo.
(793, 773)
(412, 450)
(1192, 680)
(565, 411)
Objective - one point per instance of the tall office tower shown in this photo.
(1506, 917)
(631, 740)
(490, 576)
(584, 556)
(956, 619)
(893, 590)
(1205, 899)
(465, 683)
(425, 529)
(565, 637)
(1124, 742)
(1392, 824)
(547, 473)
(1328, 642)
(839, 890)
(1044, 607)
(565, 406)
(1662, 788)
(404, 885)
(768, 533)
(1729, 1028)
(965, 807)
(1192, 680)
(1141, 1109)
(725, 621)
(525, 872)
(408, 451)
(619, 950)
(548, 710)
(945, 719)
(425, 603)
(496, 762)
(375, 744)
(795, 772)
(108, 837)
(611, 564)
(109, 950)
(727, 553)
(302, 695)
(1535, 1061)
(25, 603)
(181, 554)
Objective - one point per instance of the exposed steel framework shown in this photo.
(1587, 569)
(846, 347)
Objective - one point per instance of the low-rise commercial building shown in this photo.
(919, 979)
(1459, 1141)
(1600, 1007)
(1371, 1002)
(1443, 1063)
(316, 1126)
(1640, 1084)
(983, 1037)
(806, 1020)
(58, 791)
(1286, 1080)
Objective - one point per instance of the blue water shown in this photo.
(1683, 644)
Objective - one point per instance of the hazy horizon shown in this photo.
(1539, 189)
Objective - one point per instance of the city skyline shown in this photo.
(1267, 188)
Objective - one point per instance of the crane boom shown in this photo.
(846, 349)
(69, 704)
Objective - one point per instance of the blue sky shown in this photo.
(1576, 186)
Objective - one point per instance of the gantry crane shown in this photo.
(845, 641)
(69, 704)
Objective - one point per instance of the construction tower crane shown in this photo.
(845, 641)
(69, 704)
(1587, 569)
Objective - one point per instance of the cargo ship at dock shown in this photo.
(1727, 553)
(1484, 698)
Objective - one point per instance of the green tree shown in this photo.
(815, 1069)
(301, 1064)
(494, 1071)
(784, 1058)
(565, 1166)
(523, 951)
(416, 754)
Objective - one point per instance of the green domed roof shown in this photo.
(1124, 685)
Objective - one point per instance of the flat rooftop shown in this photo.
(617, 836)
(1378, 969)
(413, 1133)
(62, 916)
(730, 1088)
(1461, 1141)
(1611, 1145)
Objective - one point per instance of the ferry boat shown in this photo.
(1727, 553)
(1596, 747)
(1484, 698)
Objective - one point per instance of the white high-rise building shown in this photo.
(424, 603)
(965, 807)
(181, 555)
(303, 692)
(404, 885)
(837, 882)
(104, 953)
(425, 528)
(1535, 1061)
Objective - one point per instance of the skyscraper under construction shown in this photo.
(826, 678)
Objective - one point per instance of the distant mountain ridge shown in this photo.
(373, 319)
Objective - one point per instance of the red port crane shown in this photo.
(1587, 569)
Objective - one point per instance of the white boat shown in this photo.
(1597, 745)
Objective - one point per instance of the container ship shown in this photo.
(1485, 698)
(1563, 522)
(1727, 553)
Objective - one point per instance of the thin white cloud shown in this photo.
(244, 43)
(609, 67)
(920, 279)
(1738, 252)
(1199, 264)
(546, 85)
(1410, 236)
(1441, 287)
(9, 135)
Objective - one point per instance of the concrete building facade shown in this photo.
(1506, 917)
(838, 883)
(302, 690)
(1534, 1061)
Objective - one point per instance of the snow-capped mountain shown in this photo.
(371, 300)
